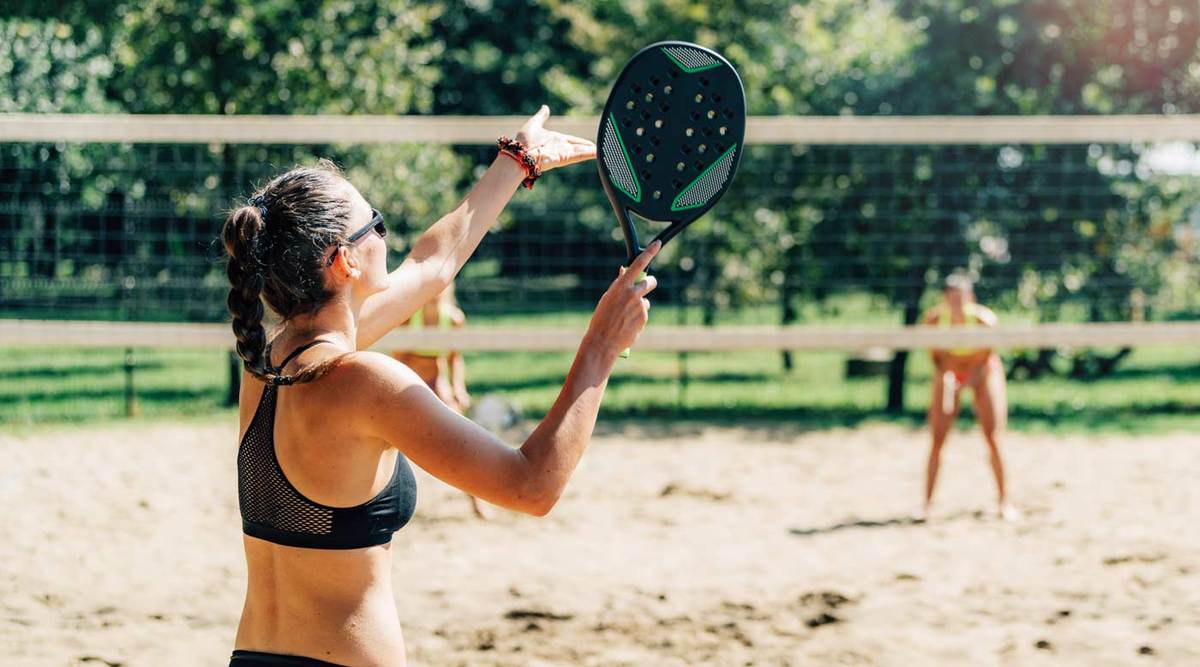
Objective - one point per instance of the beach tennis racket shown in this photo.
(670, 140)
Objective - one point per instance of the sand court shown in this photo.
(678, 544)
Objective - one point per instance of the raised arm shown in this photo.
(403, 412)
(441, 251)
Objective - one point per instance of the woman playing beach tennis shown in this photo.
(328, 428)
(958, 369)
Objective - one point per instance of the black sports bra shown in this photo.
(275, 511)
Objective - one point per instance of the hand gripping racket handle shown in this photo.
(640, 278)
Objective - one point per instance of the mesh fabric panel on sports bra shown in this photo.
(265, 496)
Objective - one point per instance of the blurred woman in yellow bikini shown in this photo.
(958, 369)
(444, 371)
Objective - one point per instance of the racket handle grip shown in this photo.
(640, 278)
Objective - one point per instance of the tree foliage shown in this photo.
(803, 224)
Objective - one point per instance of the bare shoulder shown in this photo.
(378, 392)
(386, 399)
(376, 371)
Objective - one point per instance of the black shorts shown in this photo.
(260, 659)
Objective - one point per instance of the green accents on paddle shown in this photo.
(626, 179)
(699, 191)
(699, 61)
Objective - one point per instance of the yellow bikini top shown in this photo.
(444, 323)
(973, 314)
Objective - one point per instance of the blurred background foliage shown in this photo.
(1055, 232)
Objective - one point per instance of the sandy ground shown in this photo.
(687, 545)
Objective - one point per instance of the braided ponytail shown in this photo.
(307, 214)
(243, 237)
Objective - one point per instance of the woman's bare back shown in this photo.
(332, 604)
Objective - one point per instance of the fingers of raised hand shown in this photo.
(536, 121)
(642, 261)
(571, 139)
(582, 152)
(559, 153)
(573, 153)
(646, 285)
(562, 161)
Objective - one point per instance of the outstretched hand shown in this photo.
(624, 309)
(553, 149)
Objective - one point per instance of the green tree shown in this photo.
(200, 56)
(48, 66)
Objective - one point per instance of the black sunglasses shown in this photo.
(376, 224)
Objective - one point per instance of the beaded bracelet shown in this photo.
(517, 151)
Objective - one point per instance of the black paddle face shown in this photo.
(671, 136)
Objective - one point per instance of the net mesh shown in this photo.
(852, 230)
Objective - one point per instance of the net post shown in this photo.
(131, 408)
(788, 316)
(681, 396)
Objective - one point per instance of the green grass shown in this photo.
(40, 385)
(1155, 390)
